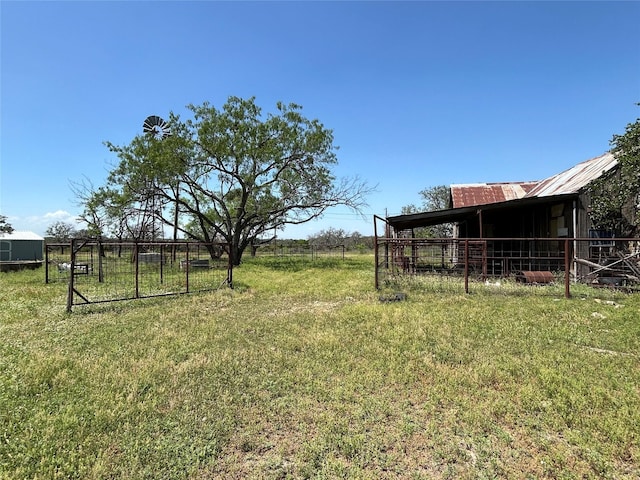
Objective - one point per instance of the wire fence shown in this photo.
(459, 263)
(305, 251)
(113, 271)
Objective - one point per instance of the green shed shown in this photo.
(21, 247)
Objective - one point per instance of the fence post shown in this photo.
(100, 260)
(485, 260)
(161, 264)
(230, 270)
(186, 268)
(136, 255)
(567, 268)
(466, 265)
(46, 263)
(71, 276)
(375, 261)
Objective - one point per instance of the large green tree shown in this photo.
(615, 197)
(229, 174)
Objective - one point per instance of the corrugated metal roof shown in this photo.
(466, 197)
(569, 182)
(472, 194)
(573, 180)
(16, 235)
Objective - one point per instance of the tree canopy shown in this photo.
(615, 197)
(61, 231)
(229, 174)
(333, 237)
(5, 226)
(433, 198)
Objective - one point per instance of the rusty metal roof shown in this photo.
(466, 197)
(569, 182)
(472, 194)
(573, 180)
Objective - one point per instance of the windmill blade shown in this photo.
(156, 127)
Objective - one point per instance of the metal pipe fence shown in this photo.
(99, 272)
(611, 262)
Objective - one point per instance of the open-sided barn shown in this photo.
(519, 226)
(556, 207)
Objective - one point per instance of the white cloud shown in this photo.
(59, 216)
(39, 223)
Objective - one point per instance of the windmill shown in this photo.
(157, 128)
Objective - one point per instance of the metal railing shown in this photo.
(111, 271)
(612, 263)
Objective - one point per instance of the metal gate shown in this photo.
(114, 271)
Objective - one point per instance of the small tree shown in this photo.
(97, 214)
(5, 226)
(615, 197)
(61, 231)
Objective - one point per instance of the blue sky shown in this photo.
(418, 94)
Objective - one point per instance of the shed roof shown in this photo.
(467, 197)
(437, 217)
(471, 194)
(16, 235)
(574, 179)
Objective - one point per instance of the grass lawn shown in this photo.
(301, 372)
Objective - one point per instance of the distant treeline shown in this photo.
(329, 238)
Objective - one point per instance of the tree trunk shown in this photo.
(215, 251)
(235, 251)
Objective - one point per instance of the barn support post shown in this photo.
(375, 254)
(575, 243)
(387, 235)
